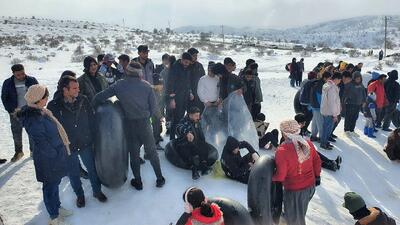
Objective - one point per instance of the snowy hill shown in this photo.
(360, 32)
(48, 47)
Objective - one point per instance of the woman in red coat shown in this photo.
(198, 211)
(298, 168)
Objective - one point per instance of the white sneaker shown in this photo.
(355, 134)
(58, 221)
(62, 212)
(348, 133)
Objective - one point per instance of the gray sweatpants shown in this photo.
(295, 205)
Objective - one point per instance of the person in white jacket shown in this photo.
(207, 89)
(330, 108)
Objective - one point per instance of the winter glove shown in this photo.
(317, 181)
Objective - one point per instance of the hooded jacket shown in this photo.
(330, 101)
(148, 69)
(234, 165)
(316, 93)
(50, 155)
(377, 217)
(354, 93)
(392, 88)
(197, 219)
(87, 87)
(379, 89)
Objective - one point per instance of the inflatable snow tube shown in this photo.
(234, 212)
(264, 207)
(111, 155)
(176, 160)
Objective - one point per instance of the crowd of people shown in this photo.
(177, 92)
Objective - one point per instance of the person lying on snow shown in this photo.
(191, 144)
(325, 162)
(365, 216)
(392, 148)
(266, 140)
(233, 164)
(198, 211)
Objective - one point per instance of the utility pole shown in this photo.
(385, 35)
(223, 36)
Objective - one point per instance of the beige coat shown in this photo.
(330, 100)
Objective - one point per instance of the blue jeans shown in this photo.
(317, 123)
(74, 171)
(326, 129)
(51, 198)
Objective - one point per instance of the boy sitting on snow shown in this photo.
(365, 216)
(370, 115)
(265, 140)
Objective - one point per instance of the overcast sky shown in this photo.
(147, 14)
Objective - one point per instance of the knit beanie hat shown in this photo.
(34, 94)
(87, 61)
(353, 202)
(134, 69)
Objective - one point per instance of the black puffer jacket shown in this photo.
(392, 87)
(77, 119)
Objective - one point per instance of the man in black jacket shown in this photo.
(12, 96)
(191, 143)
(228, 83)
(196, 72)
(77, 117)
(179, 90)
(234, 165)
(392, 91)
(139, 104)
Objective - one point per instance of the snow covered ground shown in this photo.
(365, 167)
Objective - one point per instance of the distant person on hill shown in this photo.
(365, 216)
(392, 148)
(300, 72)
(380, 55)
(294, 70)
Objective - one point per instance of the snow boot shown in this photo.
(338, 162)
(62, 212)
(58, 221)
(196, 165)
(137, 184)
(3, 161)
(80, 202)
(366, 130)
(371, 133)
(100, 196)
(205, 169)
(160, 182)
(17, 156)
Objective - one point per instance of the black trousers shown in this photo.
(255, 110)
(140, 133)
(190, 150)
(389, 113)
(380, 112)
(326, 163)
(177, 114)
(308, 114)
(351, 116)
(268, 137)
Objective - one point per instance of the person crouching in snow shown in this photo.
(392, 148)
(191, 144)
(325, 162)
(50, 151)
(267, 140)
(370, 115)
(365, 216)
(298, 168)
(198, 211)
(233, 164)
